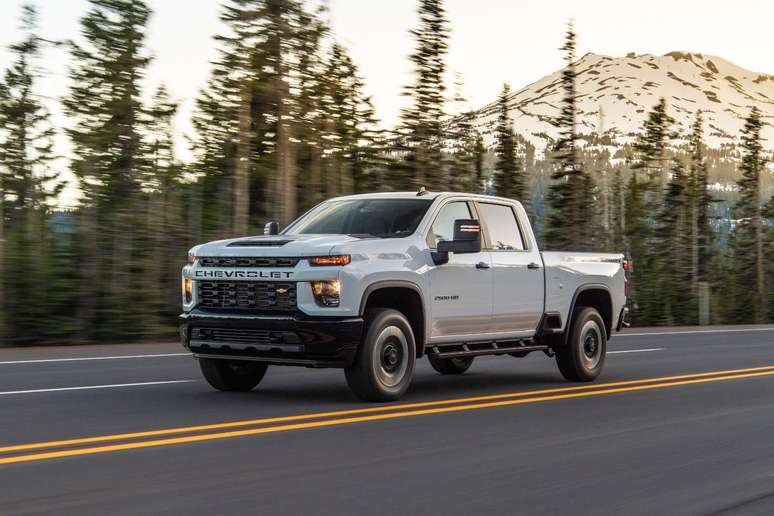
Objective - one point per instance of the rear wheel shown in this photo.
(232, 375)
(384, 365)
(582, 358)
(451, 365)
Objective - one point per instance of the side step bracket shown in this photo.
(473, 349)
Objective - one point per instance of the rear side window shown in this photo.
(502, 228)
(443, 226)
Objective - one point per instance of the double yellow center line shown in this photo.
(170, 436)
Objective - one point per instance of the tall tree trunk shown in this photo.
(242, 165)
(760, 290)
(88, 273)
(286, 167)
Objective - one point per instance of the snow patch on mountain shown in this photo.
(615, 95)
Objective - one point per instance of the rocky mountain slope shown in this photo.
(616, 93)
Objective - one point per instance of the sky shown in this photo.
(492, 41)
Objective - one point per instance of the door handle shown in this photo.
(483, 265)
(533, 266)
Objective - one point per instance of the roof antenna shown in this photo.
(422, 191)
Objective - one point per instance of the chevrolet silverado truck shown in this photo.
(371, 283)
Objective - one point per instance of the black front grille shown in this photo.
(247, 261)
(254, 296)
(245, 336)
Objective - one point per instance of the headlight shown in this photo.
(187, 290)
(327, 293)
(191, 259)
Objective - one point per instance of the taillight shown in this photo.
(625, 265)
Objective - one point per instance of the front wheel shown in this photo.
(582, 357)
(232, 375)
(384, 365)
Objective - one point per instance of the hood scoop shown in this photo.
(259, 243)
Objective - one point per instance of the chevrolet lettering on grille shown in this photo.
(281, 275)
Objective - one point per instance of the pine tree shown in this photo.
(570, 218)
(652, 147)
(463, 139)
(701, 202)
(164, 197)
(422, 128)
(673, 245)
(346, 111)
(747, 242)
(508, 175)
(643, 203)
(105, 105)
(479, 155)
(28, 188)
(768, 213)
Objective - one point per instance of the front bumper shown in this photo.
(279, 339)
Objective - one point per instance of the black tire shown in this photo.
(384, 365)
(232, 375)
(582, 357)
(451, 365)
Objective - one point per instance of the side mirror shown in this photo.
(271, 228)
(467, 239)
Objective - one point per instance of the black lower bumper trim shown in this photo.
(281, 340)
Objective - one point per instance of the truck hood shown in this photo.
(275, 245)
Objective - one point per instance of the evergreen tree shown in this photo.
(479, 154)
(463, 139)
(422, 127)
(747, 242)
(643, 202)
(106, 108)
(570, 218)
(701, 202)
(28, 188)
(673, 246)
(652, 147)
(508, 175)
(768, 213)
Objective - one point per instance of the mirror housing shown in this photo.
(271, 228)
(467, 240)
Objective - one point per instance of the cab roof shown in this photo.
(420, 195)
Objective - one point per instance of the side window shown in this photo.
(443, 226)
(502, 228)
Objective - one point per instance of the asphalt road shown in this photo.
(681, 422)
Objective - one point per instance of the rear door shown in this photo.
(517, 269)
(461, 290)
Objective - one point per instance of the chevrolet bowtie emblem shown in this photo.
(280, 290)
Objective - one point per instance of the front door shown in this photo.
(517, 270)
(461, 290)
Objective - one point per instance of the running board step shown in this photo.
(478, 349)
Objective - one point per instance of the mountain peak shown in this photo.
(615, 95)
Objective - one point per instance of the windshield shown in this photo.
(383, 218)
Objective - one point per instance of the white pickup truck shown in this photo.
(370, 283)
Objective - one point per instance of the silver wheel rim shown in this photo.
(390, 358)
(591, 345)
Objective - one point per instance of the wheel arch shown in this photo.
(403, 296)
(594, 295)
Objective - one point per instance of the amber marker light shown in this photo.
(343, 259)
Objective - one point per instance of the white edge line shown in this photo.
(81, 359)
(689, 332)
(87, 387)
(634, 351)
